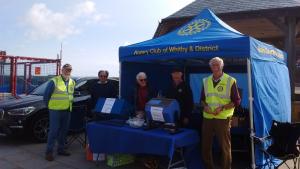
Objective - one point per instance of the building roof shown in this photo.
(232, 6)
(266, 16)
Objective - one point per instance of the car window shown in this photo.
(84, 86)
(40, 90)
(80, 84)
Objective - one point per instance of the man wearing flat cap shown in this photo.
(59, 98)
(182, 92)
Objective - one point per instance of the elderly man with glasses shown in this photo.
(59, 98)
(219, 98)
(103, 88)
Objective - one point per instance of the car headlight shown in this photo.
(21, 111)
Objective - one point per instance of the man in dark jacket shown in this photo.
(183, 94)
(103, 88)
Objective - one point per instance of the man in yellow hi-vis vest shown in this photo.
(59, 98)
(219, 97)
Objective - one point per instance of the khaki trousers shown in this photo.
(221, 129)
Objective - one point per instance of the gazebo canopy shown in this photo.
(203, 38)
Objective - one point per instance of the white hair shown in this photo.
(141, 75)
(218, 60)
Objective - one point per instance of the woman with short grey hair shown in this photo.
(142, 94)
(141, 75)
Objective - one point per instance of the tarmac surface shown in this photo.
(20, 153)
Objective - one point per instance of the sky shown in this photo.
(90, 31)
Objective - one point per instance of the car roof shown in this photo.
(94, 78)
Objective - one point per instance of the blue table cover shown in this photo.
(115, 139)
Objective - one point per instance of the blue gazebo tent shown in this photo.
(192, 45)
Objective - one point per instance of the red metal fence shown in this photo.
(20, 74)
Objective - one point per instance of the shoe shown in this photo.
(49, 157)
(64, 153)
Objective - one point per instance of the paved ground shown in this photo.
(19, 153)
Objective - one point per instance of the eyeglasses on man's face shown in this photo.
(142, 80)
(103, 76)
(68, 70)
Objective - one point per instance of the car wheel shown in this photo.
(40, 128)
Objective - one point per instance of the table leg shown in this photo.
(179, 161)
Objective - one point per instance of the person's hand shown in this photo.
(218, 110)
(207, 109)
(185, 121)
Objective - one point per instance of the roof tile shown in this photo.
(231, 6)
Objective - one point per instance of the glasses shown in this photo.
(142, 80)
(102, 76)
(68, 70)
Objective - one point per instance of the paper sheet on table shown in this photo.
(108, 104)
(157, 113)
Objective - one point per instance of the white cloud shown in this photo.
(85, 8)
(45, 23)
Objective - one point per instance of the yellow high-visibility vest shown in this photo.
(218, 96)
(61, 98)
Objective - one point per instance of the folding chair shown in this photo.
(284, 145)
(77, 126)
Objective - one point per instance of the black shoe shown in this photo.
(49, 157)
(64, 153)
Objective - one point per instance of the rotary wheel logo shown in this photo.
(220, 89)
(194, 27)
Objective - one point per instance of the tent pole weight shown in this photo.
(253, 166)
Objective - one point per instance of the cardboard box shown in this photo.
(296, 111)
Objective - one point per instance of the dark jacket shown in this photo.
(183, 94)
(107, 90)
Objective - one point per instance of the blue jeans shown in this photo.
(58, 129)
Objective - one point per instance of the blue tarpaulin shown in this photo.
(192, 45)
